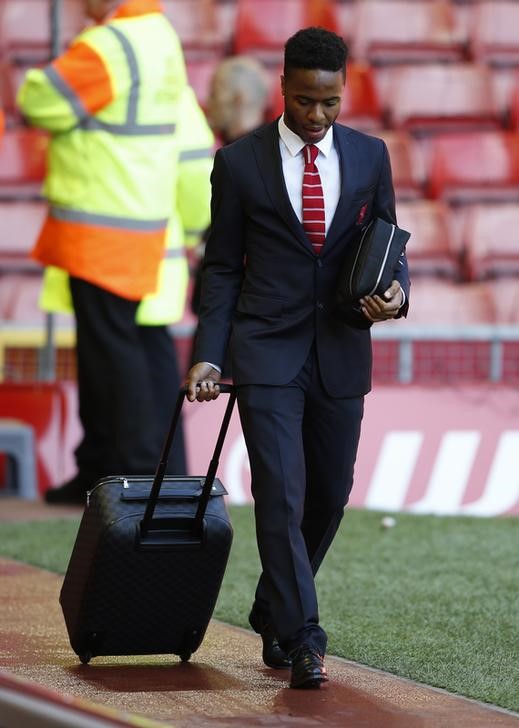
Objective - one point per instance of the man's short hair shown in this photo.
(315, 48)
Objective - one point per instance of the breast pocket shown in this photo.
(362, 204)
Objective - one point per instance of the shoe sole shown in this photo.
(278, 667)
(311, 683)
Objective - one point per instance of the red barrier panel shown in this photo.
(424, 450)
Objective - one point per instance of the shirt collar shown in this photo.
(295, 144)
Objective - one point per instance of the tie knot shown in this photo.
(311, 152)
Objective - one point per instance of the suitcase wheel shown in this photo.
(185, 656)
(85, 657)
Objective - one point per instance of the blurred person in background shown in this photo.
(111, 103)
(192, 192)
(239, 95)
(238, 103)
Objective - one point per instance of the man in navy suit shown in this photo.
(301, 373)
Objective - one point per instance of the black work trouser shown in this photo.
(127, 383)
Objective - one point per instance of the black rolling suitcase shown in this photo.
(148, 560)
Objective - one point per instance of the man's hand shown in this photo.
(202, 382)
(377, 308)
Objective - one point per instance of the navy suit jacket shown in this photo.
(264, 290)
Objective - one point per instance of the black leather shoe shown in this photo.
(272, 654)
(308, 670)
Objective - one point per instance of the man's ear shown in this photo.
(282, 80)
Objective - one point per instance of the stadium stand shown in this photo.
(204, 27)
(405, 163)
(442, 98)
(262, 26)
(22, 163)
(493, 36)
(491, 242)
(25, 30)
(475, 167)
(438, 80)
(449, 303)
(432, 252)
(20, 223)
(199, 72)
(429, 33)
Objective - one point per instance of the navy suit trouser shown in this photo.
(302, 446)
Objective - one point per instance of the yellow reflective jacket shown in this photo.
(111, 104)
(191, 199)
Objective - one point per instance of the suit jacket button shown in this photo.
(320, 305)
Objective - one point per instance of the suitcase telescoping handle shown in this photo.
(213, 465)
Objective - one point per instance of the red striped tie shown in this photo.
(313, 200)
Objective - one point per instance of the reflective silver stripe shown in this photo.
(125, 223)
(66, 91)
(189, 154)
(129, 127)
(131, 59)
(93, 124)
(171, 253)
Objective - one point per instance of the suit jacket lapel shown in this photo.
(349, 167)
(268, 157)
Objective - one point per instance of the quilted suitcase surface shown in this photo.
(134, 590)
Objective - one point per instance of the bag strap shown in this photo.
(213, 465)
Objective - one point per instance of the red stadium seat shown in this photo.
(44, 406)
(514, 106)
(205, 27)
(20, 223)
(19, 298)
(263, 26)
(478, 167)
(491, 241)
(25, 30)
(22, 162)
(442, 98)
(439, 302)
(430, 250)
(404, 164)
(494, 36)
(505, 292)
(407, 32)
(361, 106)
(200, 72)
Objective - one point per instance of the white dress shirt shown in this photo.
(327, 161)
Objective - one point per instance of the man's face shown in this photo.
(312, 101)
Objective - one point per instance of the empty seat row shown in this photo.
(456, 168)
(425, 100)
(444, 303)
(434, 302)
(379, 31)
(481, 243)
(460, 169)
